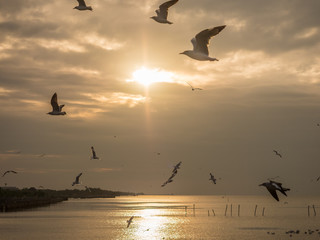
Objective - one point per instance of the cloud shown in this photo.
(263, 91)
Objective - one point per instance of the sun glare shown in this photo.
(146, 76)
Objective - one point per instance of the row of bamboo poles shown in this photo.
(238, 211)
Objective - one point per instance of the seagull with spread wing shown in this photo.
(56, 108)
(82, 6)
(273, 186)
(214, 180)
(77, 180)
(193, 88)
(174, 173)
(162, 12)
(201, 42)
(277, 153)
(129, 221)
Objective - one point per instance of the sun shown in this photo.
(146, 76)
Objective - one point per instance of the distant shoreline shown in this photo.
(14, 199)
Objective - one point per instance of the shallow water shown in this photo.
(165, 217)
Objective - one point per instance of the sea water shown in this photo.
(167, 217)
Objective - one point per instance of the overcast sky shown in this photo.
(263, 94)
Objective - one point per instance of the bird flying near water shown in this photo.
(193, 88)
(77, 180)
(273, 186)
(214, 180)
(277, 153)
(174, 173)
(56, 108)
(82, 6)
(162, 12)
(200, 44)
(129, 221)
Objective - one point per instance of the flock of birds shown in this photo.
(200, 52)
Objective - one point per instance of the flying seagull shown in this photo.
(162, 12)
(272, 186)
(94, 156)
(10, 171)
(192, 88)
(129, 221)
(77, 180)
(212, 179)
(174, 173)
(82, 6)
(277, 153)
(200, 44)
(56, 109)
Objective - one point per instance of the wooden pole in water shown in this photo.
(213, 212)
(308, 211)
(255, 210)
(194, 210)
(231, 210)
(263, 212)
(238, 210)
(208, 213)
(314, 210)
(185, 210)
(225, 212)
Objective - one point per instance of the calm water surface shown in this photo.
(165, 217)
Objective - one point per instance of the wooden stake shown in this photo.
(208, 213)
(225, 212)
(231, 210)
(213, 212)
(194, 210)
(186, 210)
(255, 210)
(239, 210)
(263, 212)
(314, 210)
(308, 211)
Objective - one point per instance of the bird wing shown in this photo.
(77, 178)
(201, 40)
(60, 107)
(187, 82)
(54, 103)
(93, 153)
(5, 173)
(176, 167)
(279, 187)
(82, 3)
(163, 13)
(273, 193)
(129, 221)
